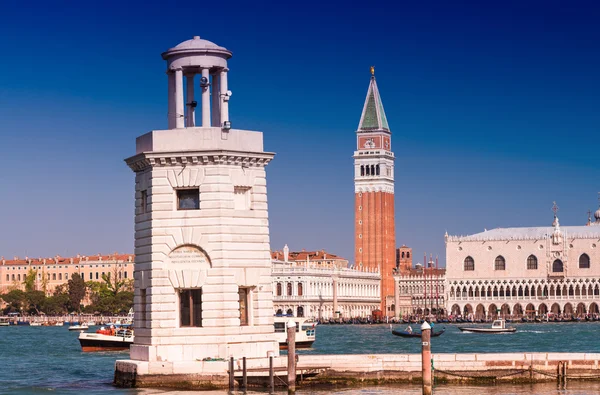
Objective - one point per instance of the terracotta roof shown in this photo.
(303, 255)
(58, 260)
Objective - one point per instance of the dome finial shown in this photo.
(373, 70)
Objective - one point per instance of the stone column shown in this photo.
(335, 301)
(224, 97)
(171, 94)
(191, 110)
(179, 121)
(206, 100)
(216, 100)
(396, 297)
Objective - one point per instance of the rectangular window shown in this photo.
(188, 199)
(241, 198)
(190, 307)
(90, 275)
(144, 202)
(243, 297)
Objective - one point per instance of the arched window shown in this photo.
(19, 277)
(60, 276)
(299, 291)
(408, 254)
(532, 262)
(372, 170)
(289, 289)
(91, 276)
(557, 266)
(368, 170)
(469, 263)
(279, 290)
(377, 170)
(362, 170)
(53, 276)
(402, 254)
(8, 277)
(500, 263)
(584, 261)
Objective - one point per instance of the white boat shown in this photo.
(80, 328)
(498, 326)
(117, 338)
(305, 331)
(35, 324)
(4, 322)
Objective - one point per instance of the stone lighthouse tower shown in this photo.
(375, 236)
(202, 266)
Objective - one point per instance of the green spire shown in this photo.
(373, 116)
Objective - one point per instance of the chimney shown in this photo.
(286, 253)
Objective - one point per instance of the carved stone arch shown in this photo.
(188, 266)
(187, 177)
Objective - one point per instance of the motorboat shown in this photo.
(305, 331)
(4, 322)
(80, 328)
(114, 338)
(498, 326)
(34, 323)
(416, 333)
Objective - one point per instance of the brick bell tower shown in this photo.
(375, 236)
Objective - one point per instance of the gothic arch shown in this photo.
(480, 312)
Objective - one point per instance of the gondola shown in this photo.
(416, 334)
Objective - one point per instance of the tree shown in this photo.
(16, 299)
(29, 280)
(114, 280)
(77, 291)
(44, 281)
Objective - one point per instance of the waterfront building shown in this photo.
(55, 271)
(202, 256)
(525, 271)
(375, 237)
(420, 291)
(320, 285)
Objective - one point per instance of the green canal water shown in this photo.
(39, 360)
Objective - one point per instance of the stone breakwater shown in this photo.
(365, 369)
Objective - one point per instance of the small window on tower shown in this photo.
(188, 199)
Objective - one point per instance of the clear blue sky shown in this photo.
(494, 111)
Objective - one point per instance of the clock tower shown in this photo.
(375, 237)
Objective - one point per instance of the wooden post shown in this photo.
(244, 374)
(231, 381)
(271, 380)
(291, 343)
(565, 363)
(426, 357)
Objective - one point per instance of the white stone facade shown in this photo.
(420, 294)
(524, 271)
(201, 236)
(308, 290)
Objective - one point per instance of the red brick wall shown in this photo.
(376, 248)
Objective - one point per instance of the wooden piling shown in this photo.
(231, 375)
(271, 379)
(244, 374)
(291, 349)
(426, 357)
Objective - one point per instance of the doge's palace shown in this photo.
(529, 271)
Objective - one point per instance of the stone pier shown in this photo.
(373, 369)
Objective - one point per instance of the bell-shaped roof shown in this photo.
(373, 116)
